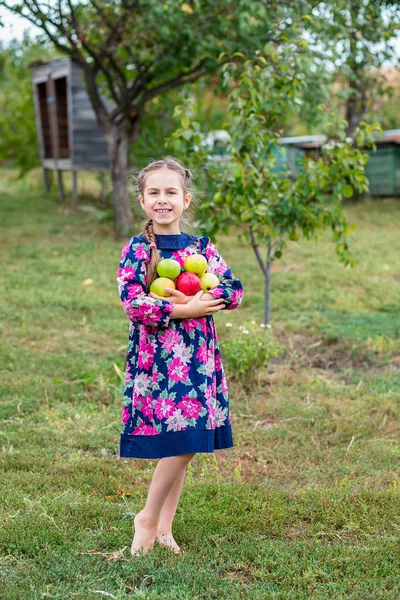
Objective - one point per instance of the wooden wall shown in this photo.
(89, 148)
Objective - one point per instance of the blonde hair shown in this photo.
(187, 220)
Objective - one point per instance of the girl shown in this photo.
(176, 399)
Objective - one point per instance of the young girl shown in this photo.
(176, 398)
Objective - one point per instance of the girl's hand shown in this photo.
(206, 296)
(197, 307)
(176, 296)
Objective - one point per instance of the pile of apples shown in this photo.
(193, 278)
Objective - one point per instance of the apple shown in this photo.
(188, 283)
(158, 286)
(208, 281)
(195, 263)
(168, 267)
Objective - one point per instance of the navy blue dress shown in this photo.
(176, 396)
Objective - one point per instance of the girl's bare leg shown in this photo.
(166, 473)
(164, 530)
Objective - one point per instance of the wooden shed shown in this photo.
(70, 138)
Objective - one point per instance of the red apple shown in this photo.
(188, 283)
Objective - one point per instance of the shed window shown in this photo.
(62, 116)
(44, 119)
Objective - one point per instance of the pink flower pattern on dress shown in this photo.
(144, 429)
(147, 406)
(201, 353)
(174, 382)
(169, 339)
(177, 370)
(128, 374)
(145, 355)
(190, 407)
(126, 414)
(164, 408)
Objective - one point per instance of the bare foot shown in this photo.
(145, 534)
(167, 539)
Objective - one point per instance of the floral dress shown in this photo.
(175, 397)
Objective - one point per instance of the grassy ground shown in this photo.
(306, 504)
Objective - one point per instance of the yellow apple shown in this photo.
(195, 263)
(208, 281)
(158, 286)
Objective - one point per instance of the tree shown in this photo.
(249, 193)
(133, 51)
(357, 37)
(18, 137)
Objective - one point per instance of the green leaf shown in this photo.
(246, 214)
(347, 191)
(237, 171)
(187, 134)
(185, 122)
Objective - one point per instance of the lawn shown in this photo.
(305, 505)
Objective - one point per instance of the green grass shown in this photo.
(306, 504)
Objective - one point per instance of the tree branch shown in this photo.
(98, 59)
(40, 23)
(256, 250)
(113, 39)
(180, 79)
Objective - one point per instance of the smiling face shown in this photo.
(163, 190)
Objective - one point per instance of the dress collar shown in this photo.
(173, 241)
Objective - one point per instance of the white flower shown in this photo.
(77, 416)
(176, 421)
(262, 325)
(183, 352)
(245, 331)
(269, 326)
(228, 324)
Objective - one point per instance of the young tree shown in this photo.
(250, 194)
(134, 51)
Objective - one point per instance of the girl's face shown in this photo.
(163, 190)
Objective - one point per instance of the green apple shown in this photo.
(168, 267)
(195, 263)
(208, 281)
(158, 286)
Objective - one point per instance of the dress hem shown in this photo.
(174, 443)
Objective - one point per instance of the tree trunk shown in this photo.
(352, 117)
(356, 105)
(267, 314)
(118, 140)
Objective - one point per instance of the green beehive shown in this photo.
(383, 169)
(288, 158)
